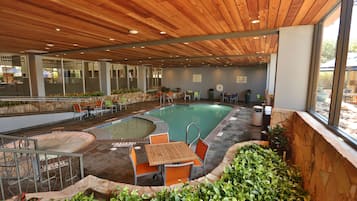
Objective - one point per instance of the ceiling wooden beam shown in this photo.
(171, 40)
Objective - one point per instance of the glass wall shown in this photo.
(133, 76)
(334, 81)
(52, 75)
(73, 76)
(91, 76)
(327, 63)
(348, 115)
(118, 77)
(14, 76)
(153, 78)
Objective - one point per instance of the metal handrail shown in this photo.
(187, 129)
(41, 165)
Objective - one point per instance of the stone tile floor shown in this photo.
(102, 162)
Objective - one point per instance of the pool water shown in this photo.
(124, 129)
(207, 117)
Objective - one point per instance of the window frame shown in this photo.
(332, 122)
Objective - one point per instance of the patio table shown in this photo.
(167, 153)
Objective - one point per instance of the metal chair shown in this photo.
(109, 105)
(201, 151)
(187, 96)
(78, 110)
(141, 169)
(98, 108)
(177, 173)
(159, 138)
(196, 95)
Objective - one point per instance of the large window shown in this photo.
(327, 63)
(153, 78)
(73, 77)
(348, 115)
(14, 79)
(333, 95)
(52, 75)
(91, 76)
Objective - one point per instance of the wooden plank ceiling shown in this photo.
(57, 26)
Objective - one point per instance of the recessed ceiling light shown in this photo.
(210, 54)
(108, 50)
(186, 43)
(47, 48)
(75, 44)
(111, 39)
(133, 46)
(58, 29)
(186, 59)
(217, 57)
(104, 59)
(256, 37)
(255, 21)
(142, 47)
(264, 36)
(177, 56)
(82, 53)
(133, 31)
(126, 59)
(50, 45)
(162, 32)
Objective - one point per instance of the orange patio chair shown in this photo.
(78, 110)
(201, 152)
(141, 169)
(98, 108)
(177, 173)
(159, 138)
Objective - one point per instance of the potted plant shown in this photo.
(247, 94)
(278, 140)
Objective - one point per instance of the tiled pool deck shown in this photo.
(101, 161)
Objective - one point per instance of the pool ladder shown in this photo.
(188, 128)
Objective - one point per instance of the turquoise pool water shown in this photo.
(207, 116)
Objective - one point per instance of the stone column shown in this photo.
(105, 78)
(36, 76)
(270, 85)
(293, 66)
(142, 78)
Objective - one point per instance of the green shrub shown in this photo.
(256, 173)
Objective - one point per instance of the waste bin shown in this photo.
(266, 122)
(211, 94)
(257, 116)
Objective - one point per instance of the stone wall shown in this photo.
(57, 106)
(328, 165)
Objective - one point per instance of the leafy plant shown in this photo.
(256, 173)
(278, 140)
(82, 197)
